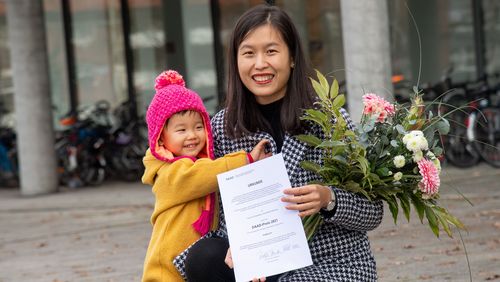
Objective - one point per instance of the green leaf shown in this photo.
(356, 188)
(322, 94)
(322, 80)
(368, 126)
(334, 90)
(311, 140)
(363, 137)
(405, 204)
(445, 224)
(383, 171)
(393, 207)
(419, 206)
(349, 133)
(430, 115)
(433, 221)
(363, 164)
(429, 135)
(332, 144)
(339, 101)
(438, 151)
(400, 129)
(384, 139)
(311, 166)
(443, 126)
(450, 218)
(316, 116)
(340, 159)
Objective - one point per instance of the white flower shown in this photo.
(417, 156)
(398, 176)
(415, 141)
(413, 145)
(406, 138)
(399, 161)
(424, 145)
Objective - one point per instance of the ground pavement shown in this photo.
(101, 234)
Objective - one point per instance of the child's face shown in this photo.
(184, 134)
(264, 64)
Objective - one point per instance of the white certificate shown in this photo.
(265, 238)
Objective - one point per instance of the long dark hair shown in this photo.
(242, 115)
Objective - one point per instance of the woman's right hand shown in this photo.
(259, 151)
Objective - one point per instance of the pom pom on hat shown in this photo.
(168, 77)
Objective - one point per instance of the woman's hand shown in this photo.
(307, 199)
(229, 261)
(259, 151)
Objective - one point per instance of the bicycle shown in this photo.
(483, 129)
(469, 140)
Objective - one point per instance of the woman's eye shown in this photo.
(247, 53)
(272, 51)
(180, 130)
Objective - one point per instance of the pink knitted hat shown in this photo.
(172, 97)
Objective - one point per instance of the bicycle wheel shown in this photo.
(91, 168)
(486, 135)
(457, 148)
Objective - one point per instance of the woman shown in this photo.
(267, 92)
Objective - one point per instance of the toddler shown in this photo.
(180, 166)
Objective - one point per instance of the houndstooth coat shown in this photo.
(340, 249)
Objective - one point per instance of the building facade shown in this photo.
(113, 49)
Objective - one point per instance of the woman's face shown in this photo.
(264, 64)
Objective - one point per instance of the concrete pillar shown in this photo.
(365, 32)
(32, 103)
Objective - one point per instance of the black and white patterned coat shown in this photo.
(340, 249)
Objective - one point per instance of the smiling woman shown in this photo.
(268, 90)
(264, 64)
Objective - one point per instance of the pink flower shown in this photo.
(378, 106)
(168, 77)
(430, 177)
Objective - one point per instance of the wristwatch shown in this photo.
(332, 202)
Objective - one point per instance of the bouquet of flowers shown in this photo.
(393, 155)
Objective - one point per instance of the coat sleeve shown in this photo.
(185, 180)
(355, 212)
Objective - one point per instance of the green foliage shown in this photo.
(362, 161)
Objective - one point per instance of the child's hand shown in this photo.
(259, 151)
(229, 259)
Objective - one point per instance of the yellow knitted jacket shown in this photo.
(180, 189)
